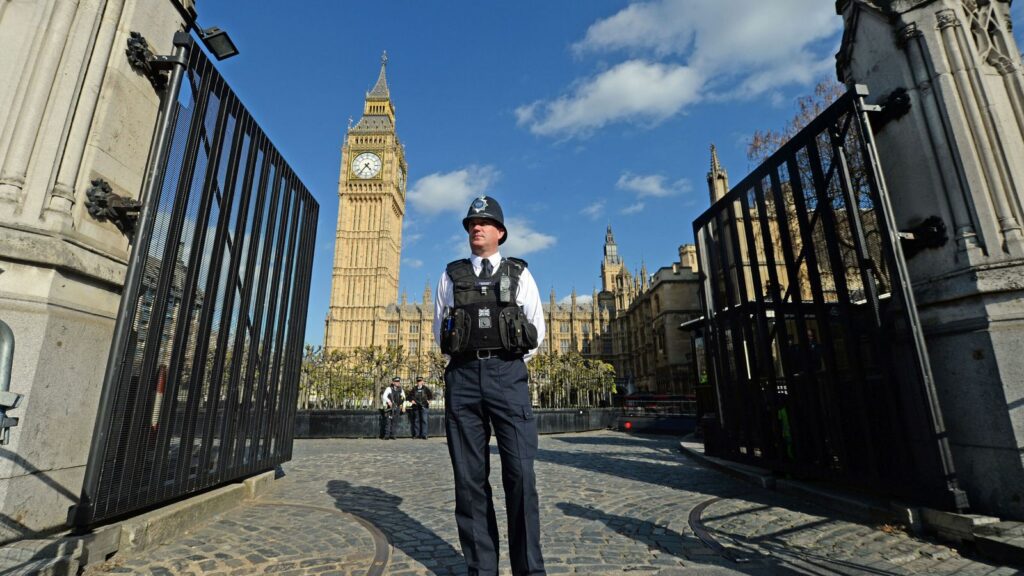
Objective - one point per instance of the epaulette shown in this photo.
(517, 261)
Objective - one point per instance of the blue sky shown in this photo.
(574, 115)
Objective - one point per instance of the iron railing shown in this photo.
(202, 377)
(811, 334)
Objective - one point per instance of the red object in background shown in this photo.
(627, 425)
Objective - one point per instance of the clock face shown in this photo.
(366, 165)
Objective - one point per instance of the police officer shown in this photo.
(392, 399)
(488, 320)
(421, 397)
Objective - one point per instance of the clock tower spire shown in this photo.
(368, 242)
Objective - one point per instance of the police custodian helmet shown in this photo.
(486, 207)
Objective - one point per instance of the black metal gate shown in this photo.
(812, 338)
(201, 382)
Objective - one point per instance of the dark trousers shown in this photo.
(419, 422)
(479, 394)
(392, 415)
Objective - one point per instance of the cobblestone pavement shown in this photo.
(610, 504)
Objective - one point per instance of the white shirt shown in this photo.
(527, 296)
(385, 398)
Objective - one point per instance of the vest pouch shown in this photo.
(517, 334)
(455, 332)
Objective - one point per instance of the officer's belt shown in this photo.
(497, 353)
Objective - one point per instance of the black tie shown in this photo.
(486, 271)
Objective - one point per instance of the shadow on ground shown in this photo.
(671, 542)
(405, 533)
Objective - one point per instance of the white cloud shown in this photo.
(587, 299)
(680, 53)
(633, 209)
(632, 90)
(652, 185)
(522, 239)
(451, 191)
(409, 239)
(413, 262)
(594, 211)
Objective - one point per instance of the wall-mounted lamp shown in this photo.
(218, 42)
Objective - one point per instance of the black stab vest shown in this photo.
(481, 298)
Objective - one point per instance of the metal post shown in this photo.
(80, 514)
(8, 400)
(958, 498)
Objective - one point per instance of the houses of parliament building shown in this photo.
(632, 323)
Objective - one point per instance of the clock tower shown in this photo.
(368, 243)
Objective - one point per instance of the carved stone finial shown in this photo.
(384, 58)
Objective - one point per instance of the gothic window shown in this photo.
(414, 346)
(414, 329)
(586, 328)
(564, 327)
(565, 346)
(392, 327)
(392, 343)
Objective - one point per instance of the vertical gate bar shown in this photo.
(82, 514)
(309, 225)
(254, 281)
(214, 194)
(874, 467)
(243, 193)
(266, 417)
(278, 258)
(739, 330)
(799, 390)
(953, 496)
(294, 240)
(189, 287)
(742, 429)
(838, 392)
(808, 254)
(138, 435)
(154, 346)
(864, 262)
(249, 283)
(761, 337)
(234, 322)
(230, 196)
(779, 332)
(168, 416)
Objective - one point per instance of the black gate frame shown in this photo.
(202, 377)
(842, 406)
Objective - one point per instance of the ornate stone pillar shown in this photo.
(959, 155)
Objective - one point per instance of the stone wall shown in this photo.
(959, 155)
(71, 110)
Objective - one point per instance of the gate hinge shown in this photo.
(892, 107)
(930, 233)
(104, 205)
(142, 59)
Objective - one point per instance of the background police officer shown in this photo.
(392, 401)
(488, 320)
(421, 397)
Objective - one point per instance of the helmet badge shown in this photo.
(479, 205)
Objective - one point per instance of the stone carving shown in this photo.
(906, 34)
(990, 35)
(946, 19)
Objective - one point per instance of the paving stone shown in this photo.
(610, 504)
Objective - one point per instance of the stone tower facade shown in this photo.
(958, 154)
(72, 110)
(368, 244)
(718, 178)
